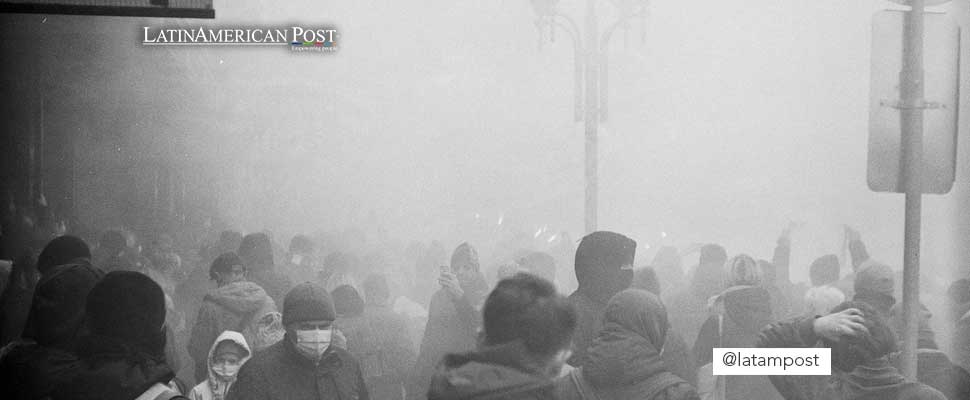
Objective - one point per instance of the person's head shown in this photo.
(604, 264)
(820, 300)
(308, 315)
(744, 271)
(713, 254)
(60, 251)
(128, 307)
(301, 244)
(227, 268)
(824, 270)
(57, 309)
(709, 277)
(866, 348)
(228, 354)
(540, 264)
(875, 285)
(646, 279)
(113, 242)
(464, 264)
(347, 302)
(376, 290)
(527, 308)
(641, 312)
(256, 251)
(229, 241)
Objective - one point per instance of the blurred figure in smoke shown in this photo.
(861, 341)
(688, 307)
(338, 270)
(625, 360)
(786, 297)
(453, 318)
(387, 350)
(32, 367)
(305, 364)
(525, 342)
(958, 307)
(676, 354)
(426, 271)
(668, 267)
(236, 304)
(124, 355)
(113, 253)
(300, 264)
(859, 258)
(256, 252)
(604, 267)
(539, 264)
(737, 315)
(228, 354)
(189, 294)
(823, 296)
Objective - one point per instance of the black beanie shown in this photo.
(224, 263)
(605, 250)
(60, 251)
(128, 306)
(308, 302)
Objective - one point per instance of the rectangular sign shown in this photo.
(773, 361)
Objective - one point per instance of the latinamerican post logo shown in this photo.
(297, 38)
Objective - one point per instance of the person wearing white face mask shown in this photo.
(228, 354)
(305, 365)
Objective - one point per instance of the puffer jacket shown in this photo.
(492, 373)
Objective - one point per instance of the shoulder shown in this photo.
(679, 391)
(919, 391)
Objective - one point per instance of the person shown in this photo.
(228, 354)
(236, 304)
(44, 358)
(688, 307)
(349, 307)
(959, 322)
(668, 266)
(875, 285)
(123, 356)
(676, 354)
(388, 349)
(823, 295)
(861, 343)
(625, 360)
(453, 320)
(737, 315)
(859, 258)
(526, 332)
(338, 270)
(300, 264)
(304, 365)
(256, 252)
(604, 267)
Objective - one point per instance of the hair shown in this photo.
(376, 290)
(851, 352)
(301, 244)
(347, 301)
(526, 307)
(224, 263)
(743, 270)
(646, 278)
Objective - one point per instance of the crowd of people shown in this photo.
(239, 317)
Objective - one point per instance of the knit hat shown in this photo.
(876, 279)
(128, 306)
(57, 310)
(347, 301)
(308, 302)
(60, 251)
(824, 270)
(224, 263)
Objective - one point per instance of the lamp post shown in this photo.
(591, 78)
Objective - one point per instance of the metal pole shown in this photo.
(911, 118)
(592, 114)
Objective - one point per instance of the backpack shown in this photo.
(262, 331)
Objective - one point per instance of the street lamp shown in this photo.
(590, 58)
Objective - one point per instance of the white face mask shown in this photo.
(313, 343)
(226, 370)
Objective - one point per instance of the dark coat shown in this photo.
(452, 328)
(280, 372)
(112, 370)
(379, 341)
(32, 371)
(492, 373)
(879, 381)
(936, 371)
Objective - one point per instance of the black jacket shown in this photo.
(492, 373)
(112, 370)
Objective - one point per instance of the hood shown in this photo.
(239, 297)
(707, 279)
(111, 369)
(217, 384)
(496, 372)
(640, 312)
(620, 357)
(873, 382)
(604, 263)
(57, 309)
(748, 306)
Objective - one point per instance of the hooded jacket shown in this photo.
(624, 362)
(226, 308)
(215, 387)
(877, 381)
(281, 372)
(603, 268)
(745, 310)
(111, 369)
(492, 373)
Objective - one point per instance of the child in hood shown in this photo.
(228, 354)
